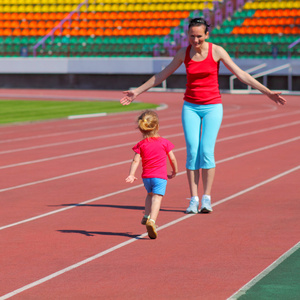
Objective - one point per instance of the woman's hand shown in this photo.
(277, 98)
(128, 98)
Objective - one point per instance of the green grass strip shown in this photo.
(282, 283)
(14, 111)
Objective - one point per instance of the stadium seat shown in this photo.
(141, 24)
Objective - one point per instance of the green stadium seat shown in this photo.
(97, 28)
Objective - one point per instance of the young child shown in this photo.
(153, 150)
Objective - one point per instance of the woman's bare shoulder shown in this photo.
(218, 52)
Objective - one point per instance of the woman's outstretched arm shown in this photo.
(221, 54)
(155, 80)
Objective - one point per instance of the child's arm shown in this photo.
(173, 163)
(134, 165)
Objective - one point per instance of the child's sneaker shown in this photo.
(194, 206)
(144, 220)
(206, 205)
(151, 228)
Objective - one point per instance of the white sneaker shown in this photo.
(193, 207)
(206, 205)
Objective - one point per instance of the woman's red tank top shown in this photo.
(202, 79)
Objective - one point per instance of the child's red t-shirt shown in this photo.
(154, 152)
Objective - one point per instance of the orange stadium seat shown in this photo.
(16, 32)
(41, 32)
(99, 24)
(135, 19)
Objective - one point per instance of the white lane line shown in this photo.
(115, 126)
(70, 207)
(67, 155)
(121, 245)
(260, 119)
(164, 126)
(258, 131)
(128, 161)
(120, 134)
(260, 149)
(264, 273)
(68, 142)
(98, 137)
(65, 176)
(258, 185)
(56, 134)
(86, 116)
(77, 153)
(123, 145)
(111, 194)
(269, 108)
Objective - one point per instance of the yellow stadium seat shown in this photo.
(99, 7)
(45, 8)
(173, 7)
(261, 5)
(59, 8)
(83, 8)
(115, 7)
(74, 7)
(37, 8)
(130, 7)
(29, 8)
(275, 5)
(6, 8)
(145, 7)
(68, 8)
(14, 8)
(122, 7)
(248, 5)
(92, 7)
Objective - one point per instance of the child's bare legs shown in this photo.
(152, 205)
(148, 203)
(155, 207)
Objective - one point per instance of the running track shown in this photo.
(70, 225)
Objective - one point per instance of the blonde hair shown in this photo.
(148, 123)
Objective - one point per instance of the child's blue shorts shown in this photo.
(155, 185)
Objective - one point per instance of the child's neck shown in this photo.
(156, 135)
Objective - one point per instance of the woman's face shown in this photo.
(197, 35)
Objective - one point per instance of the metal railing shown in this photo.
(291, 46)
(264, 75)
(232, 77)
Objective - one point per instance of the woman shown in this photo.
(202, 109)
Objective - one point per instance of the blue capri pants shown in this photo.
(201, 124)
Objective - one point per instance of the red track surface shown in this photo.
(51, 166)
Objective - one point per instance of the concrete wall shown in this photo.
(122, 73)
